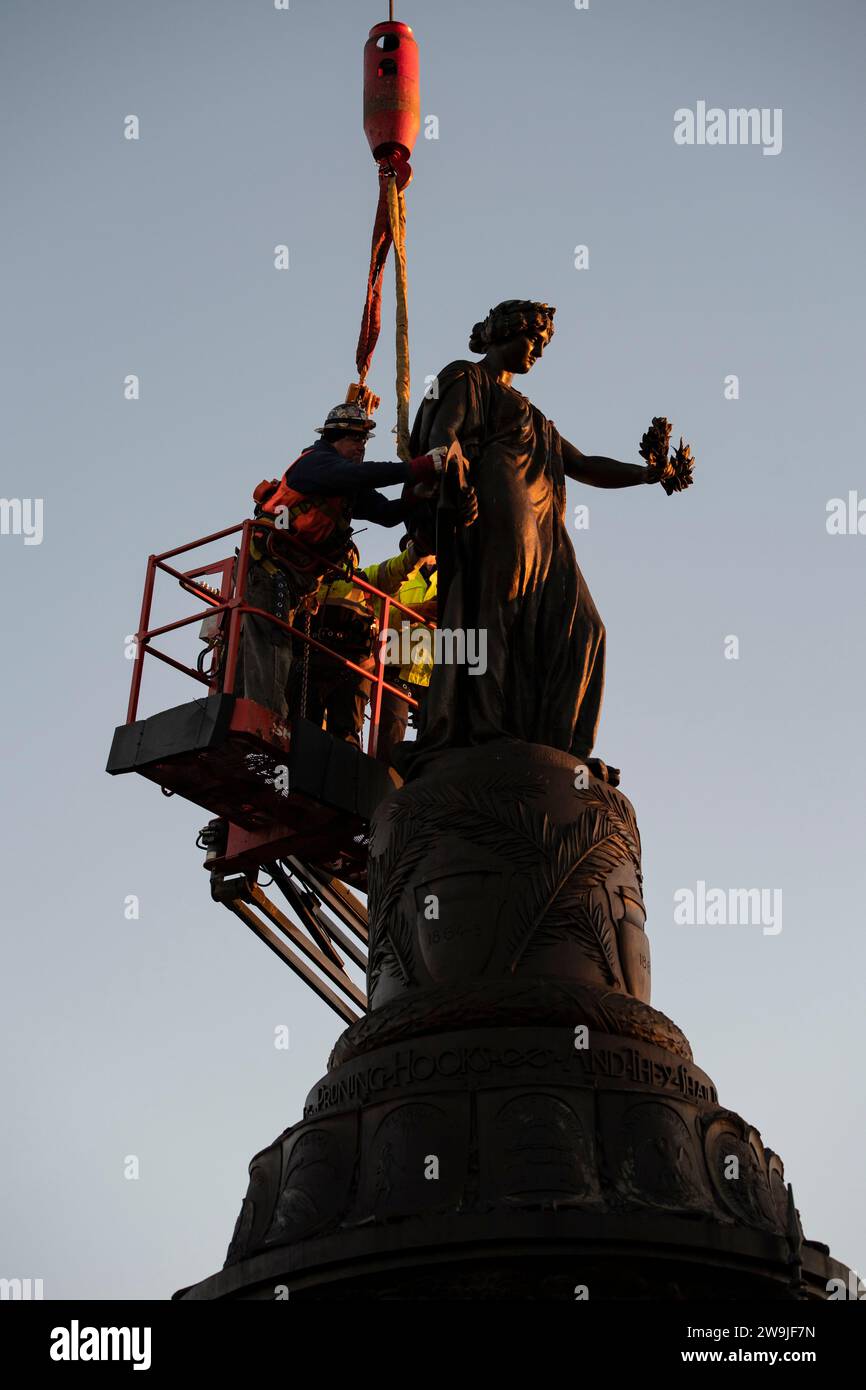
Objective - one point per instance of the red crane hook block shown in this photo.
(392, 97)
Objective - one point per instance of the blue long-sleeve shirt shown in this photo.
(323, 471)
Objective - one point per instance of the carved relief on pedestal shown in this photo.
(317, 1172)
(257, 1207)
(537, 1149)
(495, 863)
(748, 1178)
(654, 1155)
(413, 1158)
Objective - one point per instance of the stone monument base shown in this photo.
(512, 1118)
(500, 1160)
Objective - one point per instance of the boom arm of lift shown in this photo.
(314, 934)
(289, 798)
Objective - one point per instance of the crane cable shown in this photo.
(389, 227)
(397, 219)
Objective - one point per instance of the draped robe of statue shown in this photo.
(513, 576)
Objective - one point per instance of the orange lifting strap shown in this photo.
(389, 228)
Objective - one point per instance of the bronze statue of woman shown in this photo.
(513, 576)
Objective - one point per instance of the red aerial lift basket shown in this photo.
(283, 788)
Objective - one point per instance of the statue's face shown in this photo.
(519, 355)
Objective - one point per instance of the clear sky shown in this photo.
(155, 1037)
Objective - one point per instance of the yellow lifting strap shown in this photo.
(397, 219)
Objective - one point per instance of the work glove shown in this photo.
(416, 558)
(428, 466)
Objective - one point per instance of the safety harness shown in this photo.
(285, 516)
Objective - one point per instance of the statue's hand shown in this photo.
(658, 471)
(458, 492)
(468, 506)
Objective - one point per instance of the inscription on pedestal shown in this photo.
(473, 1065)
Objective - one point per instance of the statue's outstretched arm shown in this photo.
(674, 472)
(599, 471)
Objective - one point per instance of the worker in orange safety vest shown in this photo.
(303, 530)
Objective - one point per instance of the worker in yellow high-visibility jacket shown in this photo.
(417, 592)
(347, 621)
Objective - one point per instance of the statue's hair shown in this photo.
(508, 320)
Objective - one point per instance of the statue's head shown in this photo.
(514, 334)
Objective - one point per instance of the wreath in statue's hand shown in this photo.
(675, 473)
